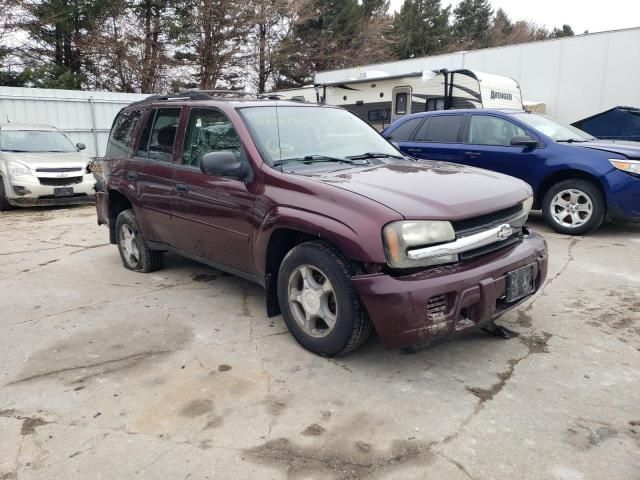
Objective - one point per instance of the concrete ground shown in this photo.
(105, 373)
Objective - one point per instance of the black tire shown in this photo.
(352, 325)
(147, 260)
(4, 204)
(586, 188)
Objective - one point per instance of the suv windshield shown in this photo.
(554, 129)
(308, 133)
(34, 141)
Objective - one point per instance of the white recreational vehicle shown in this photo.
(383, 99)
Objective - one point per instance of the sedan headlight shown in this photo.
(19, 170)
(400, 237)
(629, 166)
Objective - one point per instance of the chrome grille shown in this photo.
(485, 222)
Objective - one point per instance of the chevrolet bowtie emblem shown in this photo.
(504, 232)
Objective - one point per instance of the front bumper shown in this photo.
(623, 196)
(30, 192)
(474, 291)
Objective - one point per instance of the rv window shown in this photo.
(378, 115)
(442, 129)
(404, 131)
(401, 103)
(434, 104)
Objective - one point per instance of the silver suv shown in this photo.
(39, 165)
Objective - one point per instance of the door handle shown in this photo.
(181, 187)
(132, 176)
(472, 154)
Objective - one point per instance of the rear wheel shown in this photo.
(318, 301)
(4, 204)
(574, 207)
(134, 251)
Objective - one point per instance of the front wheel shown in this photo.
(4, 204)
(134, 250)
(318, 302)
(574, 207)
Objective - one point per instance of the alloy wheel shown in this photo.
(571, 208)
(129, 245)
(312, 301)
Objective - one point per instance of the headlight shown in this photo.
(630, 166)
(19, 170)
(400, 237)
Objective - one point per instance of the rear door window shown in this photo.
(159, 135)
(121, 137)
(441, 129)
(489, 130)
(404, 131)
(208, 131)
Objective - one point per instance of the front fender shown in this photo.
(359, 246)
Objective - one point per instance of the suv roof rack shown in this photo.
(194, 95)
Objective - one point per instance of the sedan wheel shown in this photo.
(571, 208)
(574, 207)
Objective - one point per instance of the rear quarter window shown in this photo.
(121, 136)
(404, 131)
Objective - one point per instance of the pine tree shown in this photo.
(565, 31)
(472, 23)
(421, 28)
(59, 30)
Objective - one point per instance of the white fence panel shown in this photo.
(84, 116)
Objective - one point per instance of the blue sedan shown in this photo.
(577, 179)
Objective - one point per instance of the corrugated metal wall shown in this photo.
(84, 116)
(575, 77)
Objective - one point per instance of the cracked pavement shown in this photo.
(106, 373)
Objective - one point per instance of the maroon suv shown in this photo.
(343, 232)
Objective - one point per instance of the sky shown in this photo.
(592, 15)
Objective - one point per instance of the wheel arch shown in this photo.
(567, 174)
(118, 202)
(281, 241)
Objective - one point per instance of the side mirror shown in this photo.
(524, 141)
(81, 146)
(224, 164)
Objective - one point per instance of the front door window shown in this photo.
(208, 131)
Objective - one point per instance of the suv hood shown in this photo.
(628, 149)
(431, 190)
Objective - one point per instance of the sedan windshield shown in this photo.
(34, 141)
(311, 134)
(554, 129)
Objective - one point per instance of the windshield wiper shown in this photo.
(314, 159)
(12, 150)
(571, 140)
(364, 156)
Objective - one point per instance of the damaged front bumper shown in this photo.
(442, 301)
